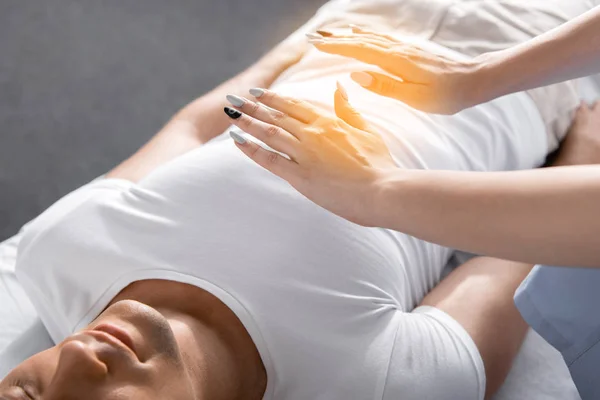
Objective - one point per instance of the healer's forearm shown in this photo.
(549, 216)
(569, 51)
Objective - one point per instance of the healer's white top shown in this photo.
(329, 304)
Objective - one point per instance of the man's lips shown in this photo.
(119, 334)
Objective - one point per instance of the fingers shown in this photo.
(374, 48)
(271, 135)
(365, 52)
(298, 109)
(345, 111)
(356, 31)
(262, 113)
(361, 31)
(273, 162)
(387, 86)
(378, 83)
(352, 38)
(391, 40)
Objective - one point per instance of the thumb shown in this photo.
(345, 111)
(384, 85)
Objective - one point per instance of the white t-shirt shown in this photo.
(329, 304)
(324, 300)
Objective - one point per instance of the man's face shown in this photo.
(98, 363)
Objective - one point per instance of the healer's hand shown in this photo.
(425, 81)
(335, 161)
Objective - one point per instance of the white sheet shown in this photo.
(16, 312)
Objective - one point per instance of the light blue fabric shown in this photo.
(563, 306)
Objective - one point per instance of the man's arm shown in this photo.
(479, 296)
(203, 119)
(461, 341)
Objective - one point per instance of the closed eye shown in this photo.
(15, 393)
(23, 389)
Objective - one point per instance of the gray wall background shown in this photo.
(84, 83)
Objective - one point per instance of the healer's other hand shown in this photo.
(423, 80)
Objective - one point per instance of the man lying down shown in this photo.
(191, 273)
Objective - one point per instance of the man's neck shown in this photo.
(221, 356)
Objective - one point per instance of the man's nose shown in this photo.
(78, 360)
(77, 373)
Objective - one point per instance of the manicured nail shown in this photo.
(325, 33)
(362, 78)
(316, 41)
(342, 90)
(237, 137)
(232, 112)
(314, 36)
(257, 92)
(235, 100)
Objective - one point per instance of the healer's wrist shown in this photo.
(485, 78)
(386, 199)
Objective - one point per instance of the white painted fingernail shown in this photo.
(235, 100)
(362, 78)
(314, 36)
(237, 137)
(257, 92)
(342, 90)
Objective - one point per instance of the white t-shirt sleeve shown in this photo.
(433, 358)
